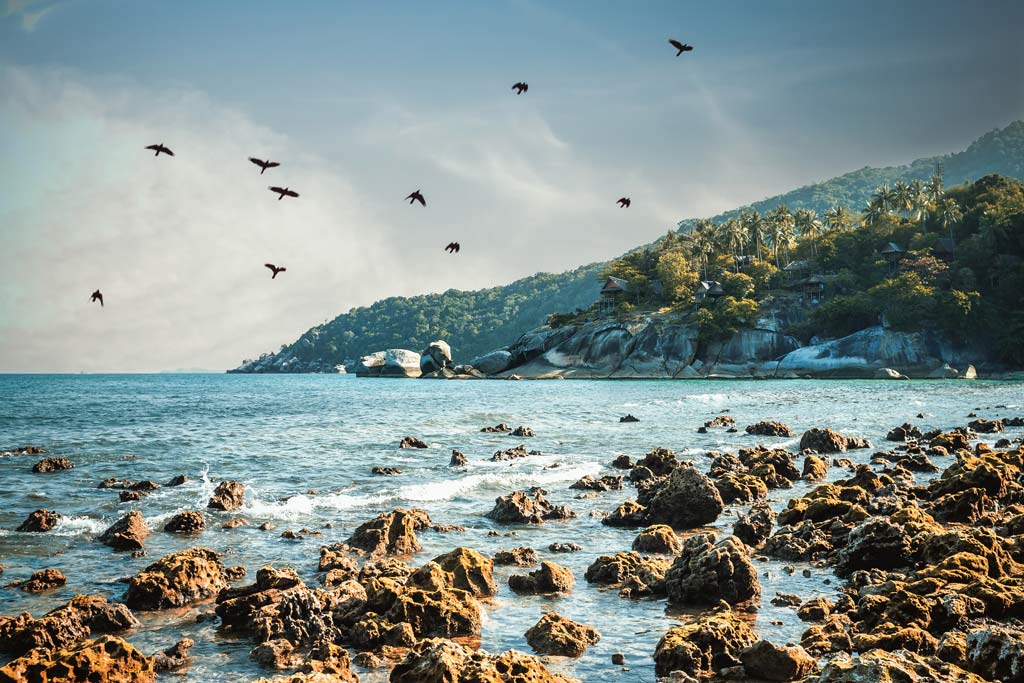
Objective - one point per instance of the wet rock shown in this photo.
(879, 665)
(874, 544)
(175, 657)
(413, 442)
(815, 468)
(189, 522)
(550, 578)
(606, 483)
(706, 572)
(565, 547)
(658, 462)
(44, 580)
(776, 663)
(443, 661)
(964, 507)
(82, 617)
(330, 663)
(640, 575)
(687, 500)
(114, 483)
(556, 635)
(390, 533)
(815, 609)
(26, 450)
(275, 654)
(827, 637)
(905, 432)
(522, 431)
(755, 526)
(228, 496)
(830, 441)
(177, 480)
(618, 659)
(52, 465)
(130, 496)
(629, 514)
(659, 538)
(520, 557)
(107, 659)
(769, 428)
(235, 573)
(520, 507)
(471, 571)
(498, 428)
(983, 426)
(458, 459)
(127, 533)
(721, 421)
(703, 647)
(446, 613)
(176, 580)
(39, 521)
(622, 462)
(629, 418)
(512, 453)
(740, 487)
(235, 523)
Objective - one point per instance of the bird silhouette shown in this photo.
(624, 202)
(161, 148)
(416, 197)
(96, 296)
(682, 47)
(521, 87)
(283, 192)
(275, 269)
(264, 165)
(453, 248)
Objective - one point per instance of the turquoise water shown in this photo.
(284, 435)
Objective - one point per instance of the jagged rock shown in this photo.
(905, 432)
(705, 572)
(622, 462)
(687, 500)
(458, 459)
(629, 514)
(500, 428)
(996, 652)
(520, 557)
(659, 538)
(606, 483)
(815, 468)
(228, 496)
(827, 637)
(879, 665)
(413, 442)
(740, 487)
(81, 617)
(702, 648)
(39, 521)
(815, 609)
(443, 661)
(775, 662)
(629, 568)
(471, 571)
(276, 654)
(755, 527)
(47, 465)
(189, 522)
(769, 428)
(519, 508)
(629, 418)
(550, 578)
(175, 657)
(107, 659)
(446, 613)
(659, 461)
(512, 453)
(877, 543)
(176, 580)
(721, 421)
(983, 426)
(522, 431)
(560, 547)
(556, 635)
(390, 533)
(44, 580)
(127, 533)
(830, 441)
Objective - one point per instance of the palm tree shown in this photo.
(754, 226)
(885, 197)
(734, 237)
(950, 214)
(902, 198)
(809, 225)
(838, 218)
(702, 242)
(934, 190)
(780, 229)
(873, 212)
(918, 199)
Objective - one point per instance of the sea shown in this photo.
(304, 446)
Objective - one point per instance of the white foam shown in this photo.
(77, 526)
(448, 489)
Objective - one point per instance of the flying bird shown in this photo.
(275, 269)
(96, 296)
(264, 165)
(521, 87)
(453, 248)
(283, 192)
(161, 148)
(624, 202)
(416, 197)
(682, 47)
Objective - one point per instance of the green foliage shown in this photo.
(737, 285)
(677, 279)
(725, 317)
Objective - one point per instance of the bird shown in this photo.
(275, 269)
(283, 192)
(624, 202)
(521, 87)
(96, 296)
(161, 148)
(682, 47)
(453, 248)
(416, 197)
(264, 165)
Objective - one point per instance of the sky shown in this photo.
(363, 103)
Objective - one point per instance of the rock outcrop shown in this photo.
(689, 499)
(108, 659)
(177, 580)
(520, 507)
(228, 496)
(706, 572)
(127, 533)
(704, 647)
(39, 521)
(556, 635)
(549, 579)
(82, 617)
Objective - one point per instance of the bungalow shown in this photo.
(707, 290)
(613, 290)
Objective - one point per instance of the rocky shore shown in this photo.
(925, 539)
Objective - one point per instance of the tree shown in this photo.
(950, 214)
(703, 242)
(754, 227)
(934, 191)
(902, 198)
(918, 199)
(780, 229)
(838, 218)
(873, 212)
(809, 225)
(677, 278)
(734, 237)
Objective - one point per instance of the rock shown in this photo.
(830, 441)
(629, 418)
(556, 635)
(471, 571)
(520, 557)
(458, 459)
(492, 363)
(386, 471)
(981, 426)
(130, 496)
(815, 609)
(659, 461)
(889, 373)
(769, 428)
(877, 543)
(520, 508)
(176, 580)
(879, 665)
(178, 480)
(81, 617)
(703, 647)
(622, 462)
(446, 613)
(659, 538)
(904, 432)
(413, 442)
(437, 356)
(522, 431)
(44, 580)
(740, 487)
(444, 661)
(52, 465)
(276, 654)
(606, 483)
(235, 523)
(114, 483)
(497, 429)
(618, 659)
(175, 657)
(25, 450)
(721, 421)
(401, 363)
(127, 533)
(392, 533)
(622, 568)
(755, 527)
(815, 468)
(235, 573)
(370, 366)
(776, 663)
(228, 496)
(39, 521)
(512, 453)
(996, 652)
(706, 572)
(550, 578)
(189, 522)
(105, 660)
(629, 514)
(687, 500)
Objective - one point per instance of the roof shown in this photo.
(710, 287)
(615, 284)
(802, 264)
(892, 248)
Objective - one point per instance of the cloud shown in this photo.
(29, 12)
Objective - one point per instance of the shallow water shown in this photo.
(285, 435)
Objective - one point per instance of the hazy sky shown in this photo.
(365, 102)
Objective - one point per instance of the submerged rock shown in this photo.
(39, 521)
(52, 465)
(556, 635)
(44, 580)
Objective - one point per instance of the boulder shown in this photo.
(177, 580)
(44, 580)
(755, 526)
(687, 500)
(47, 465)
(127, 533)
(659, 538)
(776, 663)
(443, 613)
(983, 426)
(39, 521)
(706, 572)
(829, 441)
(458, 459)
(996, 652)
(605, 483)
(556, 635)
(443, 661)
(769, 428)
(815, 468)
(703, 647)
(628, 514)
(390, 533)
(632, 570)
(437, 356)
(175, 657)
(879, 665)
(520, 507)
(471, 571)
(492, 363)
(228, 496)
(740, 487)
(83, 616)
(905, 432)
(107, 659)
(275, 654)
(550, 578)
(413, 442)
(189, 522)
(889, 373)
(401, 363)
(370, 366)
(815, 609)
(520, 557)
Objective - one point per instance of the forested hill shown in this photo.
(478, 321)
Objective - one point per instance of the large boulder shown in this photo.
(755, 526)
(437, 356)
(370, 366)
(443, 613)
(390, 533)
(776, 663)
(127, 533)
(83, 616)
(706, 572)
(556, 635)
(39, 521)
(188, 522)
(471, 571)
(879, 665)
(492, 363)
(520, 507)
(703, 647)
(177, 580)
(228, 496)
(401, 363)
(659, 538)
(107, 659)
(830, 441)
(549, 579)
(687, 500)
